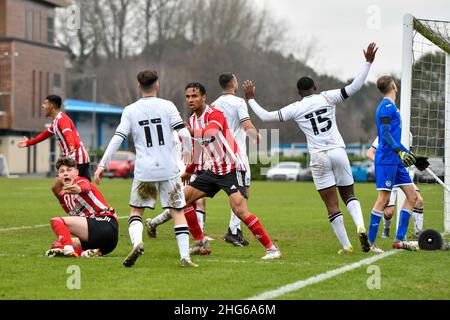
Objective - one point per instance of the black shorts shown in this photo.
(103, 233)
(211, 183)
(84, 171)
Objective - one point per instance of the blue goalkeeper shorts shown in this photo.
(388, 176)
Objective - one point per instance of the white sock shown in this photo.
(163, 217)
(337, 221)
(135, 228)
(354, 208)
(235, 223)
(201, 218)
(418, 219)
(68, 249)
(182, 236)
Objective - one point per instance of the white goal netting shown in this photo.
(427, 85)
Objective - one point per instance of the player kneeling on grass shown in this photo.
(91, 220)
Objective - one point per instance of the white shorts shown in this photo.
(171, 194)
(331, 168)
(394, 193)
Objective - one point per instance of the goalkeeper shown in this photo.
(391, 160)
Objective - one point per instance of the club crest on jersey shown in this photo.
(388, 184)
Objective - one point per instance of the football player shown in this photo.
(315, 115)
(151, 121)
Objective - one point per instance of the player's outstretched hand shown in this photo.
(23, 143)
(72, 189)
(421, 163)
(98, 175)
(370, 52)
(249, 90)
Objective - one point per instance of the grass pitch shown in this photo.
(292, 213)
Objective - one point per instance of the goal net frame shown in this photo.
(410, 26)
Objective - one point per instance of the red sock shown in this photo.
(61, 231)
(78, 251)
(57, 245)
(258, 231)
(192, 221)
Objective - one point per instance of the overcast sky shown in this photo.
(341, 29)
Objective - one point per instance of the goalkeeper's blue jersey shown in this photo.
(384, 154)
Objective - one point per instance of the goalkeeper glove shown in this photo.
(421, 163)
(407, 158)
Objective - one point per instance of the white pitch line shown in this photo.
(319, 278)
(24, 227)
(38, 226)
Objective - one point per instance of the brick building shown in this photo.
(31, 67)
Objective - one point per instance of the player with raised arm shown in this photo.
(151, 121)
(91, 220)
(315, 115)
(391, 160)
(227, 168)
(238, 119)
(67, 137)
(417, 213)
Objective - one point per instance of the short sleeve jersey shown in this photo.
(151, 122)
(235, 111)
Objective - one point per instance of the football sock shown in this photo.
(201, 218)
(387, 221)
(235, 223)
(192, 221)
(135, 228)
(182, 236)
(354, 208)
(375, 218)
(61, 231)
(418, 219)
(337, 221)
(405, 214)
(163, 217)
(252, 222)
(78, 250)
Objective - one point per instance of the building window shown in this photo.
(29, 25)
(50, 30)
(57, 80)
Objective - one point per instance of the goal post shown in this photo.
(425, 95)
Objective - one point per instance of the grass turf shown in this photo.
(292, 213)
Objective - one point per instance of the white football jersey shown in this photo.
(316, 117)
(235, 111)
(151, 121)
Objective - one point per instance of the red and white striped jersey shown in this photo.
(88, 203)
(66, 134)
(212, 133)
(201, 159)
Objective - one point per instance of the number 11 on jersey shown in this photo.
(148, 136)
